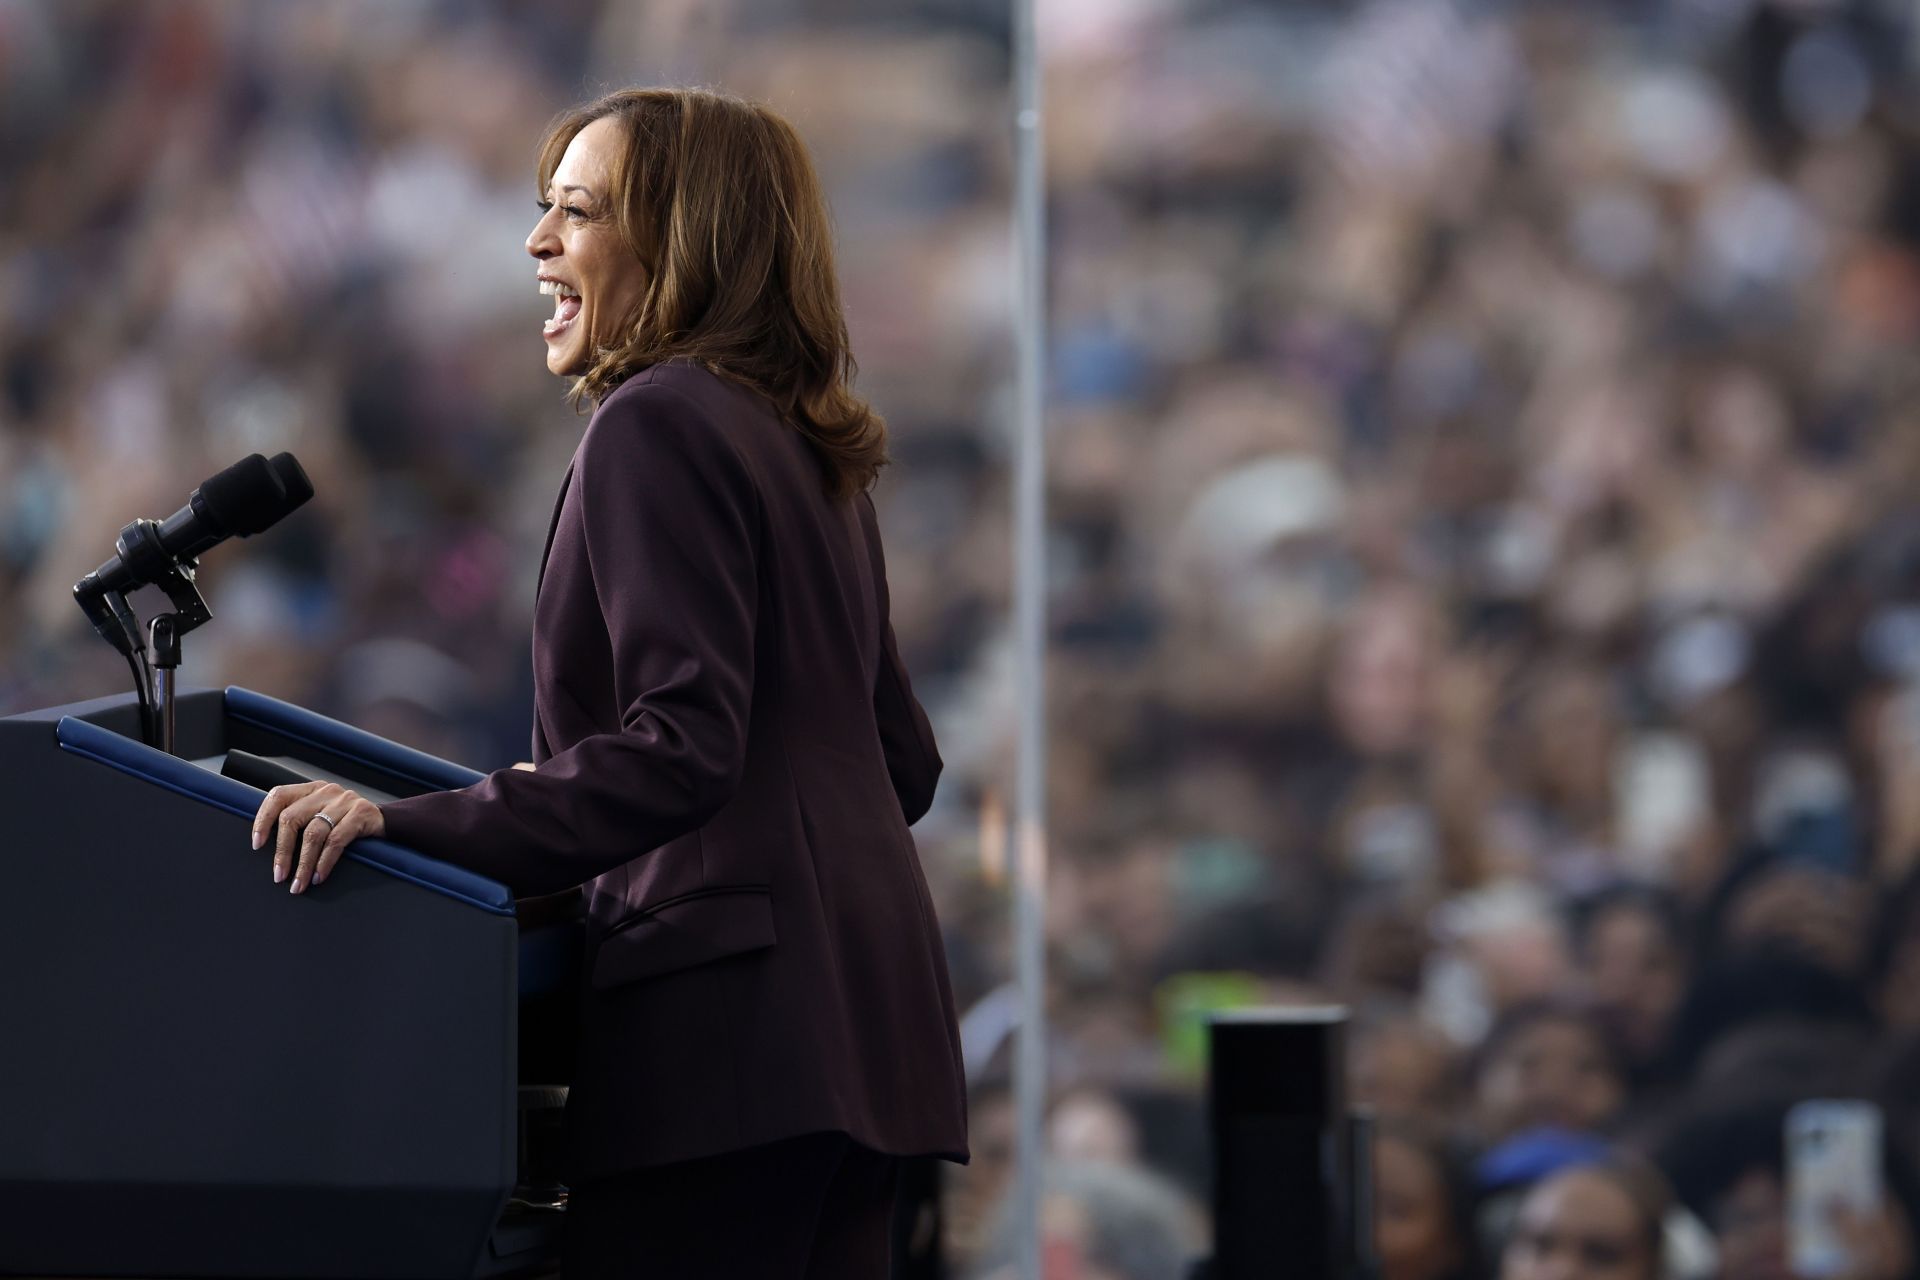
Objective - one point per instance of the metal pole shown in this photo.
(166, 673)
(1030, 637)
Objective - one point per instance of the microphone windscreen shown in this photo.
(294, 477)
(245, 498)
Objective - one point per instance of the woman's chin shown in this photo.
(563, 361)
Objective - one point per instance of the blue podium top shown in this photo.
(298, 724)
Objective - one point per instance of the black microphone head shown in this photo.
(294, 477)
(245, 498)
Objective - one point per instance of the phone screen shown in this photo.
(1833, 1164)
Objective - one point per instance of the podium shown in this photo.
(203, 1075)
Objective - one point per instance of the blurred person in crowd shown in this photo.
(1781, 937)
(1630, 942)
(1602, 1221)
(1268, 933)
(974, 1193)
(1769, 986)
(1390, 826)
(1567, 757)
(1498, 948)
(1422, 1206)
(1548, 1065)
(1103, 1222)
(1090, 1126)
(1886, 733)
(1727, 1161)
(1791, 900)
(1377, 951)
(1819, 914)
(1785, 1053)
(1895, 957)
(1894, 1081)
(1380, 687)
(1399, 1067)
(1131, 910)
(726, 743)
(1171, 1121)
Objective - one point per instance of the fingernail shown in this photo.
(279, 873)
(319, 876)
(295, 886)
(256, 839)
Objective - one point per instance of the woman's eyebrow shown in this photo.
(576, 187)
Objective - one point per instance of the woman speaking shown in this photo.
(727, 752)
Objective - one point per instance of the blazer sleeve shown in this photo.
(672, 526)
(913, 759)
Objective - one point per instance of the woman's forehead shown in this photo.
(588, 157)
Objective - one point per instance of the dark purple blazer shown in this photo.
(729, 755)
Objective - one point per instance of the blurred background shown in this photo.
(1485, 571)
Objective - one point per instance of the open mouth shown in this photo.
(566, 306)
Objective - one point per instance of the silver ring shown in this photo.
(330, 822)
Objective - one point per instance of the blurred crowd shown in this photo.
(1485, 590)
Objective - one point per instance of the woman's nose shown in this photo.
(541, 242)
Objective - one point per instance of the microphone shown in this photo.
(252, 495)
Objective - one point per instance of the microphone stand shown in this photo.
(166, 670)
(189, 611)
(139, 547)
(117, 624)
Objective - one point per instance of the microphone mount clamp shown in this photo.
(140, 549)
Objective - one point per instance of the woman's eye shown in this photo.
(573, 211)
(543, 205)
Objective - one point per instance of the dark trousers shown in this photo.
(809, 1208)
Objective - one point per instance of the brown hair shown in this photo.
(718, 199)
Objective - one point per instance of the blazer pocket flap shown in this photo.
(684, 933)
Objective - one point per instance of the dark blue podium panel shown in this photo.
(204, 1075)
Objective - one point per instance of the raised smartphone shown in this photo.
(1833, 1151)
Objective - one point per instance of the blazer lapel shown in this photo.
(553, 526)
(542, 751)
